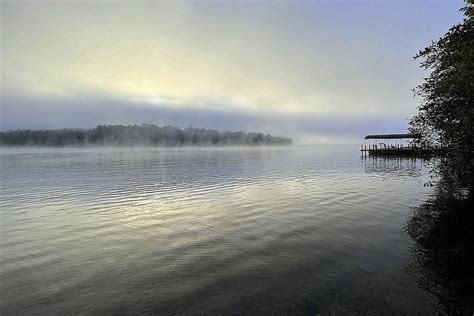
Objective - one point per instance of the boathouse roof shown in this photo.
(393, 136)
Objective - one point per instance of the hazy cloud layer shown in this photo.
(315, 70)
(87, 111)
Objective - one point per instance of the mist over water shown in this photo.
(211, 230)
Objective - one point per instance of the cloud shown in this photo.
(92, 109)
(314, 70)
(307, 58)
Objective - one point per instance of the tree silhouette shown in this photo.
(446, 114)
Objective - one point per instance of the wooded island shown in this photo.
(136, 135)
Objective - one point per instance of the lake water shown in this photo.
(208, 230)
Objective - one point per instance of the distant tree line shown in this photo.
(133, 135)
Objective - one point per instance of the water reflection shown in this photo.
(442, 257)
(300, 230)
(442, 230)
(399, 166)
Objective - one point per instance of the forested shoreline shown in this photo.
(442, 228)
(136, 135)
(446, 113)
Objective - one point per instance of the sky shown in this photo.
(318, 71)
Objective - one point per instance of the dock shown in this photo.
(392, 144)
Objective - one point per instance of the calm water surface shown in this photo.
(223, 230)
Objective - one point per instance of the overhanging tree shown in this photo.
(446, 113)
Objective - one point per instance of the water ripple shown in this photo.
(205, 230)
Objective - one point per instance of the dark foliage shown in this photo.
(133, 135)
(443, 250)
(446, 114)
